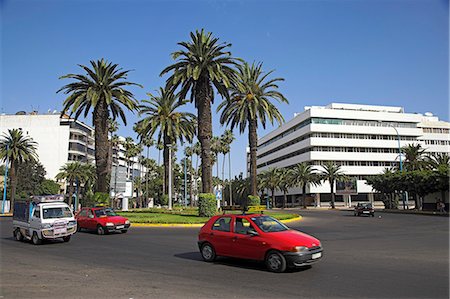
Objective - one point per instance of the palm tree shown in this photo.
(414, 157)
(113, 126)
(270, 180)
(189, 152)
(332, 173)
(72, 173)
(226, 139)
(131, 151)
(202, 65)
(284, 183)
(216, 149)
(302, 174)
(16, 149)
(147, 142)
(162, 114)
(250, 104)
(101, 90)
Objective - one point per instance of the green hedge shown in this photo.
(207, 205)
(253, 200)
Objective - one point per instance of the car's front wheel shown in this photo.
(275, 262)
(100, 230)
(66, 238)
(124, 231)
(208, 252)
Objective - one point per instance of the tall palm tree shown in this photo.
(302, 174)
(226, 140)
(147, 142)
(414, 157)
(216, 148)
(202, 65)
(189, 152)
(16, 149)
(132, 150)
(113, 126)
(251, 103)
(72, 173)
(102, 90)
(162, 115)
(284, 183)
(270, 180)
(332, 172)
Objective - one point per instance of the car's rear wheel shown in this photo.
(35, 239)
(275, 262)
(100, 230)
(18, 235)
(66, 238)
(208, 252)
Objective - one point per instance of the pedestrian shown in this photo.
(442, 207)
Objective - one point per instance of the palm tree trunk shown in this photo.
(273, 198)
(166, 164)
(284, 199)
(191, 193)
(229, 175)
(332, 194)
(70, 191)
(253, 142)
(304, 195)
(13, 180)
(100, 116)
(146, 179)
(203, 97)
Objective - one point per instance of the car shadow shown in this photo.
(235, 262)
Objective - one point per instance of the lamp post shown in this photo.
(169, 146)
(400, 159)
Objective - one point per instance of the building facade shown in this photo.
(362, 139)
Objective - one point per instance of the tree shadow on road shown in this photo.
(235, 262)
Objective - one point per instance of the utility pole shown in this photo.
(185, 181)
(169, 146)
(6, 179)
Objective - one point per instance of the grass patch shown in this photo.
(181, 216)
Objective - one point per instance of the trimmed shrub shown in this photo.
(207, 205)
(101, 198)
(253, 200)
(164, 200)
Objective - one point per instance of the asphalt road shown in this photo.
(395, 256)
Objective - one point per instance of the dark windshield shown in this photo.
(365, 205)
(104, 213)
(268, 224)
(60, 212)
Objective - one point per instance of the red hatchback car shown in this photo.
(102, 220)
(258, 237)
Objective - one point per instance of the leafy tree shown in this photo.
(131, 151)
(48, 187)
(270, 179)
(301, 175)
(30, 176)
(76, 173)
(162, 114)
(251, 102)
(284, 183)
(226, 139)
(202, 65)
(414, 157)
(332, 173)
(102, 90)
(16, 149)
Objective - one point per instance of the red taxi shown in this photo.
(103, 220)
(258, 237)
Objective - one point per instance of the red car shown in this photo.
(103, 220)
(257, 237)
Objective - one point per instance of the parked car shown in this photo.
(258, 237)
(103, 220)
(364, 208)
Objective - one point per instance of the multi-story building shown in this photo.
(59, 139)
(363, 139)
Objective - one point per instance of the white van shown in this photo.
(43, 217)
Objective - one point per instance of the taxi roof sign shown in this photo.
(47, 198)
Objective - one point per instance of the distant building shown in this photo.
(360, 138)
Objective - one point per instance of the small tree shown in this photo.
(207, 205)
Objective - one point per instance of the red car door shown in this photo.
(81, 218)
(245, 245)
(220, 235)
(91, 223)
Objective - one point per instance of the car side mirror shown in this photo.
(252, 232)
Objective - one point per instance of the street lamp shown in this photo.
(169, 146)
(399, 157)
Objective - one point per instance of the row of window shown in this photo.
(330, 149)
(334, 121)
(436, 130)
(338, 136)
(359, 163)
(438, 142)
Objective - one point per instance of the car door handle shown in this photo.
(211, 234)
(234, 239)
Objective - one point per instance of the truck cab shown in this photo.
(43, 217)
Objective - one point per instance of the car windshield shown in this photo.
(365, 205)
(104, 213)
(268, 224)
(59, 212)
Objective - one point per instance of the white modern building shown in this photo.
(362, 139)
(59, 139)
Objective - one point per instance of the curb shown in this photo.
(6, 215)
(187, 225)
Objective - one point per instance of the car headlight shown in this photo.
(109, 224)
(127, 222)
(300, 249)
(72, 222)
(47, 225)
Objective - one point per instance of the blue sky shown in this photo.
(368, 52)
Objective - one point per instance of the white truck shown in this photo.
(43, 217)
